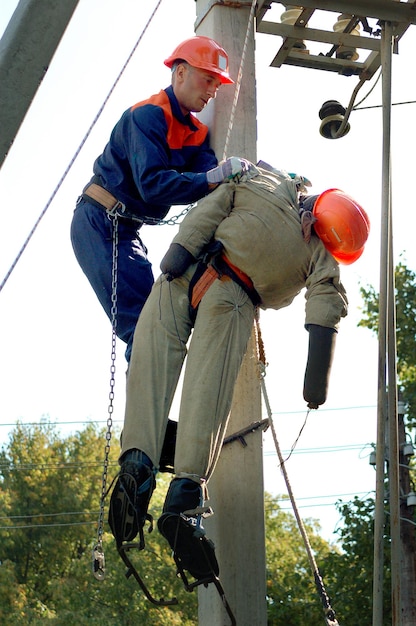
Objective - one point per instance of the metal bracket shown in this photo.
(404, 14)
(239, 435)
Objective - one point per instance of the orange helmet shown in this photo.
(342, 225)
(204, 53)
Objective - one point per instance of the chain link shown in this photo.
(171, 221)
(98, 552)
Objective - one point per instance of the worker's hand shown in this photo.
(228, 169)
(318, 367)
(176, 261)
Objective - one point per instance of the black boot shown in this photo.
(131, 496)
(180, 524)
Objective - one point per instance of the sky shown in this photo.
(55, 338)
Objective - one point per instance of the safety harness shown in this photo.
(218, 266)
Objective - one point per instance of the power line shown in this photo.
(31, 526)
(320, 450)
(271, 507)
(66, 423)
(380, 106)
(48, 515)
(59, 465)
(77, 152)
(104, 421)
(23, 467)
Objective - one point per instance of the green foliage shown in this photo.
(350, 570)
(405, 318)
(405, 294)
(49, 503)
(292, 597)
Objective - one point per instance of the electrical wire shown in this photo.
(77, 152)
(271, 507)
(88, 422)
(380, 106)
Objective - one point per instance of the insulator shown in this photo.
(411, 499)
(345, 52)
(289, 17)
(332, 115)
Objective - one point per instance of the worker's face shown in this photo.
(194, 88)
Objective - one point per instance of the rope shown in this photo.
(239, 79)
(328, 611)
(72, 161)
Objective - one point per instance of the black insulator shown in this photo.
(331, 107)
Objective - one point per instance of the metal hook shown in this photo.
(98, 562)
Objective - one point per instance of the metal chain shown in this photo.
(171, 221)
(98, 552)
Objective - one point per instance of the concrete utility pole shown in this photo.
(236, 488)
(26, 50)
(407, 529)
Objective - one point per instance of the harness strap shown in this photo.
(222, 269)
(203, 284)
(246, 280)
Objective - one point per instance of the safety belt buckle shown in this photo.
(117, 209)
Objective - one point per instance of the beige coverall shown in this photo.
(258, 223)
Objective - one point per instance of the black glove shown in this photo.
(318, 366)
(176, 261)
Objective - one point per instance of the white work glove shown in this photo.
(228, 169)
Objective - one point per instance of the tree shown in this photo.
(49, 496)
(349, 571)
(405, 294)
(405, 297)
(292, 598)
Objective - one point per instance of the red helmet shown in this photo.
(204, 53)
(342, 225)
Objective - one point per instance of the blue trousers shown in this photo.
(92, 241)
